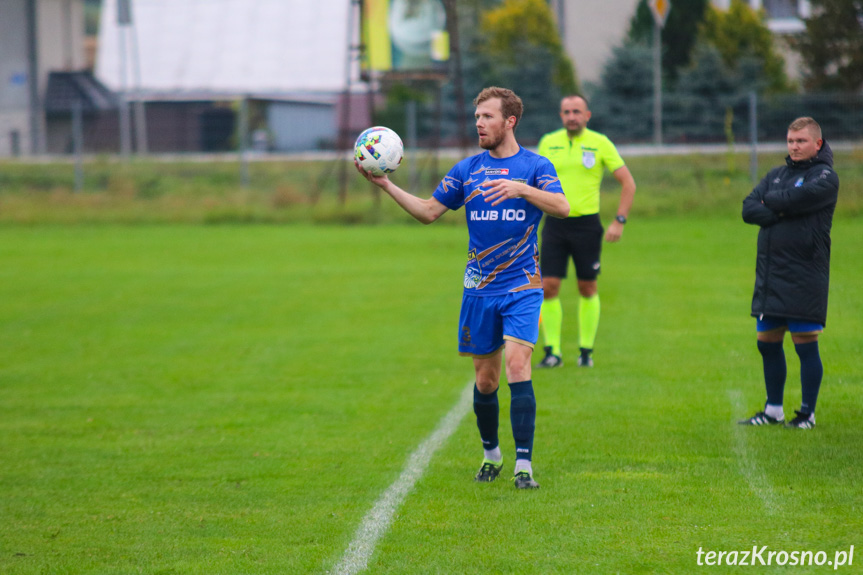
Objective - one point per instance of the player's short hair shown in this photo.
(576, 95)
(806, 123)
(510, 103)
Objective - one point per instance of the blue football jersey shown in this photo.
(502, 250)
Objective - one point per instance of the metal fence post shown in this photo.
(411, 111)
(753, 137)
(124, 18)
(657, 84)
(78, 145)
(243, 136)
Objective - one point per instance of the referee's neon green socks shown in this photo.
(551, 313)
(588, 320)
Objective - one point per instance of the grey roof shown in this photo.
(226, 46)
(66, 89)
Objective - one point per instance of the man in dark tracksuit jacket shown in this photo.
(794, 206)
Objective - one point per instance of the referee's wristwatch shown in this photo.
(620, 219)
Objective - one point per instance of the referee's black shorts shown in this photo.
(579, 238)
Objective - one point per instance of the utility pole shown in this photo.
(124, 18)
(659, 9)
(451, 7)
(35, 104)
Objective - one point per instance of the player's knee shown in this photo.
(517, 368)
(771, 336)
(770, 348)
(550, 287)
(486, 383)
(804, 338)
(587, 288)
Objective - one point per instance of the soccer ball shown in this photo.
(379, 150)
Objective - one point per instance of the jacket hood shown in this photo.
(824, 156)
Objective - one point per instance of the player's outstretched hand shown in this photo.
(500, 190)
(377, 180)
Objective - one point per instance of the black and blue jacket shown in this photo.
(794, 207)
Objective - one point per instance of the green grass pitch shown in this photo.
(235, 399)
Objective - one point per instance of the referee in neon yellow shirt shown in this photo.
(580, 157)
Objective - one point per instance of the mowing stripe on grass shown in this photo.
(377, 521)
(749, 468)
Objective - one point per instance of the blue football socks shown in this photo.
(522, 415)
(775, 370)
(487, 411)
(811, 372)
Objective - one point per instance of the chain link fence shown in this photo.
(249, 130)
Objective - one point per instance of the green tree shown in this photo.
(526, 25)
(513, 44)
(832, 46)
(741, 34)
(678, 35)
(707, 91)
(623, 105)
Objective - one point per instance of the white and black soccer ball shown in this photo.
(379, 150)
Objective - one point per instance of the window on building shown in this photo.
(781, 8)
(784, 16)
(787, 8)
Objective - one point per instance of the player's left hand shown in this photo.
(377, 180)
(499, 190)
(614, 231)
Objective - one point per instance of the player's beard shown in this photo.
(492, 140)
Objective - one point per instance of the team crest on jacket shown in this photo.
(588, 158)
(799, 182)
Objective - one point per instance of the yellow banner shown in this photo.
(404, 35)
(440, 46)
(376, 35)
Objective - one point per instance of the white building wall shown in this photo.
(14, 94)
(61, 35)
(298, 127)
(60, 46)
(14, 133)
(229, 46)
(592, 29)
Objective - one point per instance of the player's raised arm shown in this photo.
(423, 210)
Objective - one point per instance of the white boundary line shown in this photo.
(377, 521)
(750, 470)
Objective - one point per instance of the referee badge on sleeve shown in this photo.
(588, 158)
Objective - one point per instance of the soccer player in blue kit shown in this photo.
(504, 190)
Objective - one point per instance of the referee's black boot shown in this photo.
(550, 360)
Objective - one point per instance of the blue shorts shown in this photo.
(486, 321)
(765, 323)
